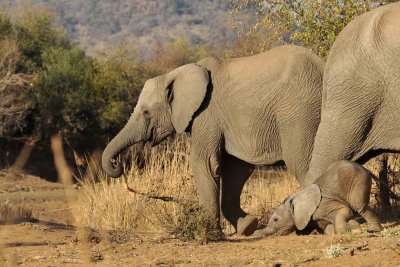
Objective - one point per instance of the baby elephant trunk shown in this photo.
(264, 232)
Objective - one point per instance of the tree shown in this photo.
(171, 54)
(311, 23)
(118, 80)
(64, 93)
(15, 105)
(36, 31)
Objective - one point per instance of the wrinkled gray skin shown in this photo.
(361, 92)
(344, 188)
(241, 112)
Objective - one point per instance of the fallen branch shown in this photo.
(162, 198)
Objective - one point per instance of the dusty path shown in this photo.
(53, 241)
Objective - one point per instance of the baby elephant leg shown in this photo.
(342, 216)
(373, 221)
(354, 227)
(329, 229)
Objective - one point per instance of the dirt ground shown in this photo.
(51, 239)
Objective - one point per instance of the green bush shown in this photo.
(314, 24)
(6, 28)
(36, 31)
(64, 93)
(118, 81)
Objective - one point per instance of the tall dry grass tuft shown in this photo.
(265, 190)
(108, 205)
(11, 212)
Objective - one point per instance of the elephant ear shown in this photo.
(303, 205)
(186, 91)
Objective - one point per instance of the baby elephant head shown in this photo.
(295, 212)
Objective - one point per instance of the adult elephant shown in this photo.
(361, 92)
(240, 112)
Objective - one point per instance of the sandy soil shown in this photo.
(52, 240)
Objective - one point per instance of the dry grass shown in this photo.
(11, 212)
(108, 205)
(265, 190)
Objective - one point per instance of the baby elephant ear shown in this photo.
(189, 87)
(303, 205)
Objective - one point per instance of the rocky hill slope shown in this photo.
(100, 24)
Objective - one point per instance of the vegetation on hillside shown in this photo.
(102, 24)
(314, 24)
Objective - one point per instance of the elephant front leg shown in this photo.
(206, 171)
(235, 173)
(341, 218)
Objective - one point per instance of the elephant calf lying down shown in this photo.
(328, 203)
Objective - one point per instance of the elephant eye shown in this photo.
(275, 219)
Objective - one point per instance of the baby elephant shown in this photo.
(328, 203)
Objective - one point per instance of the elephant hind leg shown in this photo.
(342, 216)
(235, 173)
(354, 227)
(373, 222)
(329, 229)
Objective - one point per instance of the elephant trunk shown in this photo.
(124, 139)
(269, 231)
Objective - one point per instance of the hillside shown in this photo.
(99, 24)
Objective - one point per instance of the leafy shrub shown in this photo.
(64, 92)
(36, 31)
(117, 83)
(6, 27)
(333, 251)
(314, 24)
(390, 232)
(24, 36)
(15, 103)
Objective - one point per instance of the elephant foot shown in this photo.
(354, 227)
(247, 225)
(375, 227)
(329, 229)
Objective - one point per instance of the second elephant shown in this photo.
(361, 92)
(240, 113)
